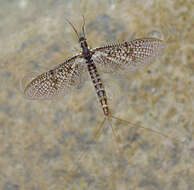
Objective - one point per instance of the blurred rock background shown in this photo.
(40, 141)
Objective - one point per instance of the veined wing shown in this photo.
(57, 81)
(126, 56)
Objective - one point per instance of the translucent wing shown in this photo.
(126, 56)
(57, 81)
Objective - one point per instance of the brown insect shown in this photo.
(111, 58)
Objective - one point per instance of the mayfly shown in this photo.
(117, 57)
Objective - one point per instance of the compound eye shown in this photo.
(81, 39)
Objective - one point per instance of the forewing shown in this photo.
(126, 56)
(57, 81)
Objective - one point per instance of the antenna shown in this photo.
(83, 26)
(73, 28)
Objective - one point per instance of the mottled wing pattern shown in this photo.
(57, 81)
(126, 56)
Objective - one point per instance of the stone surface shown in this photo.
(41, 140)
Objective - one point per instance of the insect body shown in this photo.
(118, 57)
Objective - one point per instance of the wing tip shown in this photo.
(29, 93)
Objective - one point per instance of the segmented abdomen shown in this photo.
(99, 87)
